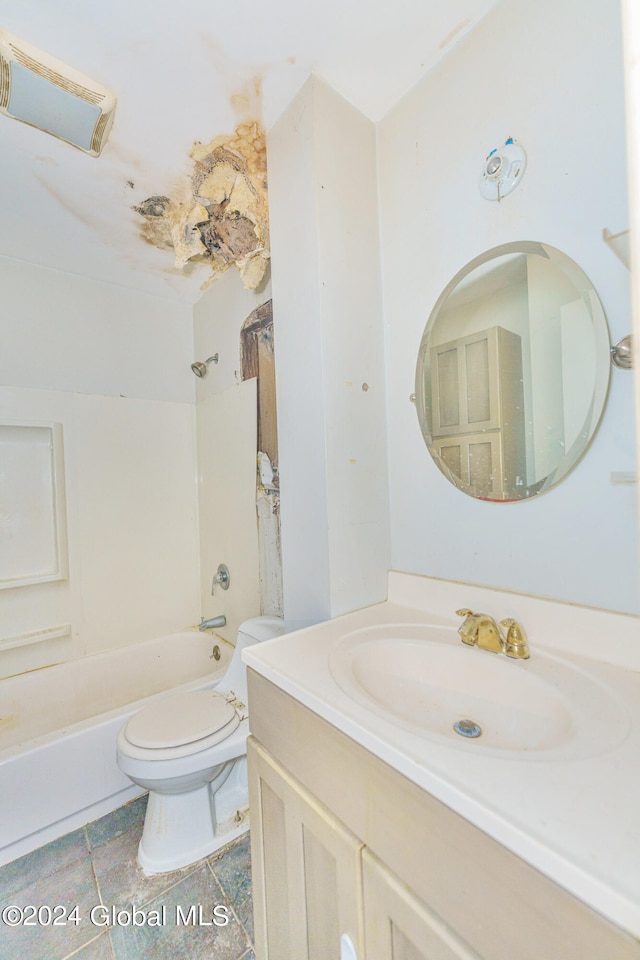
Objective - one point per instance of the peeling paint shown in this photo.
(223, 218)
(154, 207)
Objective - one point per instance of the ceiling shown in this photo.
(178, 69)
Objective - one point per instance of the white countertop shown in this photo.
(577, 820)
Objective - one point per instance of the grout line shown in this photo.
(194, 868)
(233, 910)
(222, 890)
(49, 857)
(95, 876)
(190, 871)
(74, 953)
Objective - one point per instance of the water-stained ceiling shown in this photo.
(188, 76)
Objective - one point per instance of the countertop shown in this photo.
(576, 819)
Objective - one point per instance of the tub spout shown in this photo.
(213, 622)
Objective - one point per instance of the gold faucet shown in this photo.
(481, 630)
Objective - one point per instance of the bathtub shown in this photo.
(58, 728)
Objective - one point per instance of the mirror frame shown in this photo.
(602, 345)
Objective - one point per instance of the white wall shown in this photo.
(61, 331)
(549, 74)
(631, 27)
(329, 355)
(227, 447)
(112, 366)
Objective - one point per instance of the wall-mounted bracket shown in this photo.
(620, 243)
(622, 353)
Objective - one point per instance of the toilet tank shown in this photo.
(253, 631)
(258, 629)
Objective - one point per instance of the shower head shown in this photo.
(201, 369)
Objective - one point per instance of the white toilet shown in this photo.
(189, 750)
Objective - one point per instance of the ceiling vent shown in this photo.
(47, 94)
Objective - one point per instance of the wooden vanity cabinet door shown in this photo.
(398, 926)
(306, 869)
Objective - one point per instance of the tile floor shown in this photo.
(96, 865)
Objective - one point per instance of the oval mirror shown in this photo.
(513, 372)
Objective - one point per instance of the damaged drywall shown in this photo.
(223, 219)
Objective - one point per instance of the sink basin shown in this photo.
(423, 679)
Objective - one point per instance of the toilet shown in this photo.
(188, 750)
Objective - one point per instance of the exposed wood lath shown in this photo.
(257, 358)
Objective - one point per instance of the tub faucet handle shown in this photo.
(221, 577)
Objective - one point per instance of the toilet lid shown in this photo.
(179, 719)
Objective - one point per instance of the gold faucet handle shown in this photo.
(516, 641)
(465, 633)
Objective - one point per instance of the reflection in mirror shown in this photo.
(513, 372)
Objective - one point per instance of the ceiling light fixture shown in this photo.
(48, 94)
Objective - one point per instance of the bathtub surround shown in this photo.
(226, 430)
(111, 367)
(226, 425)
(116, 377)
(96, 865)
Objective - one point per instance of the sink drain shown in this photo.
(467, 728)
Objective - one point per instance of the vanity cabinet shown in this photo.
(342, 844)
(398, 926)
(316, 883)
(306, 868)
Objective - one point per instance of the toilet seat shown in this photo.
(179, 725)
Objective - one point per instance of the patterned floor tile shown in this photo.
(232, 867)
(121, 881)
(98, 949)
(188, 928)
(44, 861)
(72, 886)
(119, 821)
(65, 872)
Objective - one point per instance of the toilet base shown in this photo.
(180, 829)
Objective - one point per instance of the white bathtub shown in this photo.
(58, 731)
